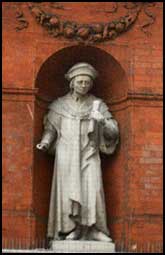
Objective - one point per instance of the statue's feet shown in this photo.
(99, 236)
(74, 235)
(84, 234)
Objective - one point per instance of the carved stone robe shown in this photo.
(77, 190)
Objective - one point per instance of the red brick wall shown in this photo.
(131, 84)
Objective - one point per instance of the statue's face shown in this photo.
(82, 84)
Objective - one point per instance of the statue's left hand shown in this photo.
(96, 115)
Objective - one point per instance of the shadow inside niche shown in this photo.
(111, 82)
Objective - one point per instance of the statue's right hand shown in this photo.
(42, 146)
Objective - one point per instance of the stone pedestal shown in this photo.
(82, 247)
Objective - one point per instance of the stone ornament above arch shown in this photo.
(89, 32)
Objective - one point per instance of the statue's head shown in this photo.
(81, 77)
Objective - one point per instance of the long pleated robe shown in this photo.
(77, 190)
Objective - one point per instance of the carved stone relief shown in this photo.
(90, 32)
(23, 23)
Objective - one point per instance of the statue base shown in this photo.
(69, 246)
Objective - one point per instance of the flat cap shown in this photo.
(81, 68)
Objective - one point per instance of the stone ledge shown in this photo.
(26, 251)
(83, 247)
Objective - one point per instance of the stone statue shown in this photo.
(76, 127)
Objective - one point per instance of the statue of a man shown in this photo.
(78, 126)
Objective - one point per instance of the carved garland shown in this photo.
(89, 33)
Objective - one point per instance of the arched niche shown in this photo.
(111, 85)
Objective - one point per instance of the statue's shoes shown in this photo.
(73, 235)
(84, 235)
(99, 236)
